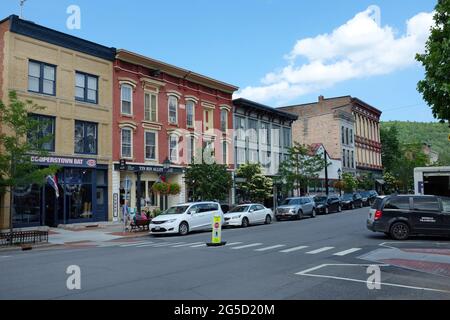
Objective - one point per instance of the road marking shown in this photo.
(157, 245)
(187, 244)
(345, 252)
(247, 246)
(198, 245)
(306, 274)
(135, 244)
(233, 243)
(294, 249)
(270, 248)
(5, 257)
(320, 250)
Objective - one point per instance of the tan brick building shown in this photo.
(72, 78)
(346, 126)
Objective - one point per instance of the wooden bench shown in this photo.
(140, 225)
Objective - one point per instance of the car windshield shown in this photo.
(320, 199)
(288, 202)
(239, 209)
(347, 196)
(175, 210)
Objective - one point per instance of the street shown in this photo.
(322, 258)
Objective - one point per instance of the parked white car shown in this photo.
(247, 214)
(184, 218)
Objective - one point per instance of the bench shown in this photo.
(140, 225)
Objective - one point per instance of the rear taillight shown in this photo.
(378, 215)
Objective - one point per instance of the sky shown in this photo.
(278, 52)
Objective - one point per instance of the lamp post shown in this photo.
(339, 175)
(166, 167)
(327, 189)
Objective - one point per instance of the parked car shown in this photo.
(184, 218)
(400, 216)
(247, 214)
(327, 204)
(296, 208)
(368, 197)
(351, 201)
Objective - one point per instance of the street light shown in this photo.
(339, 175)
(166, 164)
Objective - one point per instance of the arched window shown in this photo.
(173, 109)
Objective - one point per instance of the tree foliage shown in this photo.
(435, 88)
(349, 182)
(256, 187)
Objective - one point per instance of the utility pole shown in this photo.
(327, 189)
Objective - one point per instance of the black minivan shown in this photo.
(400, 216)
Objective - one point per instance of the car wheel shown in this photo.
(183, 229)
(352, 206)
(327, 211)
(313, 213)
(245, 223)
(299, 215)
(268, 220)
(339, 208)
(399, 231)
(361, 205)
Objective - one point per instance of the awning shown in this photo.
(380, 181)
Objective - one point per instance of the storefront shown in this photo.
(82, 195)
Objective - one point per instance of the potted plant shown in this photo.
(174, 189)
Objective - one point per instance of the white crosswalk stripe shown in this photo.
(232, 244)
(198, 245)
(135, 244)
(271, 247)
(320, 250)
(167, 244)
(346, 252)
(294, 249)
(187, 244)
(247, 246)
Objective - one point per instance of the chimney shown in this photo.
(321, 98)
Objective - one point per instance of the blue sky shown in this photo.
(247, 43)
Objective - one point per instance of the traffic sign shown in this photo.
(216, 231)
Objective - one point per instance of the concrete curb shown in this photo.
(27, 247)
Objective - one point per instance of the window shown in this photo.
(240, 128)
(426, 204)
(86, 87)
(126, 142)
(346, 135)
(126, 99)
(44, 136)
(343, 158)
(264, 133)
(173, 148)
(397, 203)
(343, 134)
(240, 152)
(445, 205)
(223, 120)
(190, 149)
(85, 137)
(353, 159)
(150, 145)
(348, 159)
(252, 130)
(287, 137)
(173, 110)
(208, 120)
(41, 78)
(351, 136)
(190, 114)
(150, 107)
(224, 152)
(253, 156)
(276, 136)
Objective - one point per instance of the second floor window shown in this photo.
(252, 130)
(150, 106)
(190, 114)
(240, 128)
(223, 120)
(86, 87)
(150, 145)
(44, 135)
(173, 148)
(173, 110)
(41, 78)
(287, 137)
(126, 138)
(85, 137)
(126, 99)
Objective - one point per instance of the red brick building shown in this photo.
(164, 114)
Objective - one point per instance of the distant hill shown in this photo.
(435, 134)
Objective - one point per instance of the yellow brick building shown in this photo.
(72, 78)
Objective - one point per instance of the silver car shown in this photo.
(296, 208)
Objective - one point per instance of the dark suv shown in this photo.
(351, 201)
(327, 204)
(368, 197)
(401, 216)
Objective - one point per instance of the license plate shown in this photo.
(157, 228)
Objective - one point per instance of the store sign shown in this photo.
(65, 161)
(138, 168)
(115, 206)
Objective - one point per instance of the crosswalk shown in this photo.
(238, 246)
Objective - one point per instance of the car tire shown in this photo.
(352, 206)
(268, 220)
(339, 208)
(245, 223)
(299, 216)
(399, 231)
(327, 210)
(183, 229)
(313, 213)
(361, 205)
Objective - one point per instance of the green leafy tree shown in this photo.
(349, 182)
(390, 151)
(412, 157)
(435, 88)
(300, 168)
(208, 181)
(19, 139)
(391, 183)
(256, 187)
(365, 182)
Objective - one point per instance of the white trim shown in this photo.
(156, 145)
(174, 93)
(191, 98)
(121, 99)
(225, 107)
(121, 142)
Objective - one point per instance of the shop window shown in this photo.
(27, 205)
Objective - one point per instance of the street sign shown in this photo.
(216, 231)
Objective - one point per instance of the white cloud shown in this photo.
(359, 48)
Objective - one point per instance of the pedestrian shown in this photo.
(126, 215)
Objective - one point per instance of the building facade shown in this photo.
(347, 127)
(72, 78)
(163, 116)
(262, 135)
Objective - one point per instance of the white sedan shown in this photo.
(247, 214)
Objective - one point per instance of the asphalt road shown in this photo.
(317, 258)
